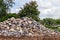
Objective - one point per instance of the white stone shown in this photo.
(18, 28)
(8, 27)
(18, 19)
(30, 22)
(53, 33)
(12, 19)
(11, 30)
(10, 24)
(7, 21)
(21, 31)
(30, 34)
(4, 23)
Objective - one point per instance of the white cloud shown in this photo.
(15, 10)
(48, 8)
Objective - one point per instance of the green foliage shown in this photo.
(12, 15)
(2, 8)
(57, 21)
(51, 23)
(30, 10)
(58, 29)
(5, 6)
(9, 16)
(48, 21)
(2, 19)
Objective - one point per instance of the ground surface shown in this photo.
(31, 38)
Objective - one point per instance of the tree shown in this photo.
(30, 10)
(48, 22)
(57, 21)
(5, 6)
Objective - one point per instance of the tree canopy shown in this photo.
(5, 6)
(30, 10)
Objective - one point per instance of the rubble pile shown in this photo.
(24, 27)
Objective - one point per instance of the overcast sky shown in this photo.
(47, 8)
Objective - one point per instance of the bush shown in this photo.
(9, 16)
(12, 15)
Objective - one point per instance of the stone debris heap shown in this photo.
(24, 27)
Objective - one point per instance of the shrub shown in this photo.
(9, 16)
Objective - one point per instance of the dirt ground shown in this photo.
(31, 38)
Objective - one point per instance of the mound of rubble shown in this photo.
(24, 27)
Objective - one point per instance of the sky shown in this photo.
(47, 8)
